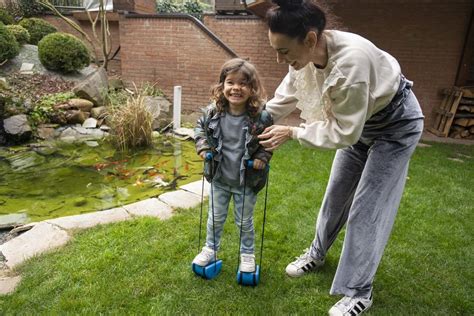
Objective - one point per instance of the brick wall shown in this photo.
(171, 52)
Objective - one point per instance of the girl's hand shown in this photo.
(274, 136)
(258, 164)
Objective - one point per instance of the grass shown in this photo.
(143, 266)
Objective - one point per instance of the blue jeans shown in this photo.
(219, 199)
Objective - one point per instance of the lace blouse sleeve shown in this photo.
(284, 101)
(344, 127)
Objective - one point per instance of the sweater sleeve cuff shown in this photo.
(294, 132)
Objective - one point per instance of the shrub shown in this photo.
(5, 17)
(131, 124)
(192, 7)
(166, 6)
(37, 28)
(21, 34)
(29, 8)
(63, 52)
(9, 47)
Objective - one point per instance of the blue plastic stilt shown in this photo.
(210, 271)
(249, 278)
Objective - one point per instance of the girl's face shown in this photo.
(236, 90)
(290, 50)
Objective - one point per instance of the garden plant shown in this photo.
(9, 47)
(63, 52)
(37, 28)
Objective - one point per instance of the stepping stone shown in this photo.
(8, 284)
(91, 219)
(151, 207)
(41, 238)
(180, 199)
(196, 187)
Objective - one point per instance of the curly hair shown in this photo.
(257, 93)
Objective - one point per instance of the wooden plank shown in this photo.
(453, 110)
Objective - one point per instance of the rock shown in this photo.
(115, 84)
(186, 133)
(42, 237)
(92, 88)
(160, 109)
(8, 284)
(17, 128)
(90, 123)
(76, 117)
(27, 68)
(73, 133)
(104, 128)
(81, 104)
(44, 132)
(98, 112)
(91, 143)
(13, 220)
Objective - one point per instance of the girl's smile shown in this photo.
(236, 91)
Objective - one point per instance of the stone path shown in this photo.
(53, 233)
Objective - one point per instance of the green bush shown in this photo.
(29, 8)
(21, 34)
(63, 52)
(5, 17)
(37, 28)
(166, 6)
(9, 47)
(192, 7)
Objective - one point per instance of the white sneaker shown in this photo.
(247, 263)
(206, 256)
(351, 306)
(302, 264)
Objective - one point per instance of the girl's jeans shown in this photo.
(219, 198)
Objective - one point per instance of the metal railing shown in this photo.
(68, 4)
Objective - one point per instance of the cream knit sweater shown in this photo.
(358, 81)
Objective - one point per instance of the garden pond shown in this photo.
(49, 180)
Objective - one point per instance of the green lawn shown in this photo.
(143, 266)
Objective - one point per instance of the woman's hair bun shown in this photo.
(288, 4)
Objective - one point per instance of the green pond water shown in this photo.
(50, 180)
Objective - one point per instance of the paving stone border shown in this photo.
(53, 233)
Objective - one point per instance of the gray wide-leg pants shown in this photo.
(364, 192)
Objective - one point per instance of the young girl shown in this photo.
(228, 130)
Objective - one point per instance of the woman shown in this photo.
(355, 99)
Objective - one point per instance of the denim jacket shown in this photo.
(208, 137)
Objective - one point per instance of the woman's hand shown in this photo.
(274, 136)
(258, 164)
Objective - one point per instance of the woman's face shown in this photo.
(290, 50)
